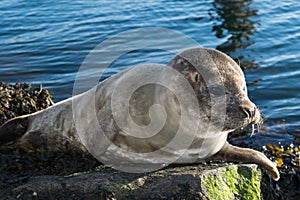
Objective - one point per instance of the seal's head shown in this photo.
(218, 82)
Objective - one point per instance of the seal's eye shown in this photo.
(196, 77)
(217, 90)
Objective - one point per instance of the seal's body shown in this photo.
(92, 122)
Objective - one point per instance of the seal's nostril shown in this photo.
(250, 112)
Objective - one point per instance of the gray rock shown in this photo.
(179, 182)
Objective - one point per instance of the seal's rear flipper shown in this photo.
(13, 129)
(236, 154)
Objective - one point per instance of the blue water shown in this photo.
(45, 42)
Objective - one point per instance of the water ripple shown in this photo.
(46, 41)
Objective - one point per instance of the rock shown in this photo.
(180, 182)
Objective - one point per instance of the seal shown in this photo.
(99, 121)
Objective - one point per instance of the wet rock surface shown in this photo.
(184, 182)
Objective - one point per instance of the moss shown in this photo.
(123, 186)
(233, 182)
(216, 188)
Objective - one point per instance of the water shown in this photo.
(45, 42)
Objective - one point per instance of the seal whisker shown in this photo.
(259, 124)
(253, 130)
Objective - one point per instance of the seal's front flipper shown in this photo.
(236, 154)
(13, 129)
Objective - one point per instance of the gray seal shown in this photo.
(217, 82)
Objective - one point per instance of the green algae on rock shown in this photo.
(233, 182)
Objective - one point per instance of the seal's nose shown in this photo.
(250, 112)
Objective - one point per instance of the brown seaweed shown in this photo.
(21, 99)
